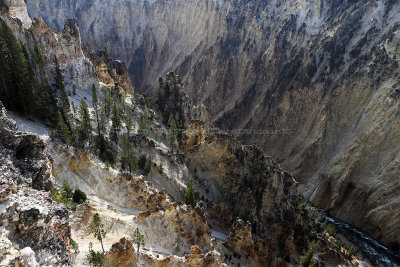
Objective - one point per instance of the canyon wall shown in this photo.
(320, 78)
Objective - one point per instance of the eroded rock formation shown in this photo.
(324, 72)
(66, 45)
(34, 229)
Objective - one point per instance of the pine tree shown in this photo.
(172, 134)
(138, 239)
(96, 110)
(103, 120)
(143, 123)
(128, 158)
(97, 229)
(85, 127)
(108, 101)
(189, 194)
(128, 119)
(17, 80)
(63, 130)
(116, 124)
(39, 60)
(63, 102)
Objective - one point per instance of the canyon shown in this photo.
(319, 79)
(314, 84)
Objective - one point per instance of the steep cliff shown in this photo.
(66, 45)
(35, 231)
(319, 78)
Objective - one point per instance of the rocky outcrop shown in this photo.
(172, 98)
(66, 45)
(240, 238)
(17, 10)
(35, 231)
(254, 188)
(183, 226)
(124, 190)
(121, 254)
(112, 73)
(139, 33)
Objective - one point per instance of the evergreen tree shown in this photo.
(85, 127)
(143, 123)
(63, 130)
(47, 100)
(96, 110)
(103, 120)
(39, 60)
(63, 102)
(97, 229)
(128, 119)
(160, 100)
(173, 131)
(116, 124)
(189, 194)
(128, 159)
(138, 239)
(107, 101)
(17, 80)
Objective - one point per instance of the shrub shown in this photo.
(108, 165)
(56, 195)
(75, 246)
(66, 190)
(79, 196)
(94, 258)
(142, 162)
(189, 194)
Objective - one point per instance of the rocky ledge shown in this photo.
(35, 231)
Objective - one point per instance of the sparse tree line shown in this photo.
(25, 88)
(322, 234)
(97, 228)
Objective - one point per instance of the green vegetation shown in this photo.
(97, 229)
(308, 260)
(128, 159)
(75, 246)
(18, 86)
(173, 131)
(65, 195)
(25, 88)
(79, 196)
(63, 130)
(85, 126)
(145, 164)
(94, 258)
(138, 239)
(189, 194)
(143, 123)
(116, 123)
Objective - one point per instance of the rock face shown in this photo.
(240, 238)
(253, 188)
(34, 230)
(121, 254)
(319, 69)
(112, 73)
(66, 45)
(181, 224)
(139, 32)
